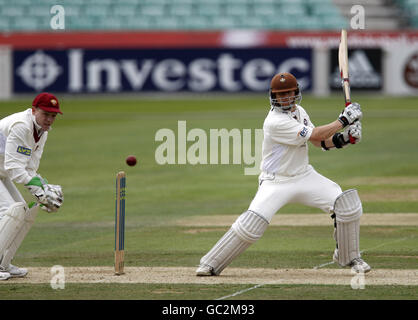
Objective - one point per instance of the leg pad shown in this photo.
(347, 210)
(247, 229)
(16, 225)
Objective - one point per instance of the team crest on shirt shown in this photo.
(23, 150)
(305, 122)
(304, 132)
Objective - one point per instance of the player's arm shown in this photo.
(324, 132)
(327, 136)
(18, 157)
(327, 144)
(17, 154)
(341, 139)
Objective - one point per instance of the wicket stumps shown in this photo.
(120, 222)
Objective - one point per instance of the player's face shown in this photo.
(286, 98)
(43, 118)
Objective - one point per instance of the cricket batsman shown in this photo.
(287, 177)
(22, 140)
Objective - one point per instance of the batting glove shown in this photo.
(350, 114)
(354, 131)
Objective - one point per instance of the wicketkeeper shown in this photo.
(22, 140)
(287, 177)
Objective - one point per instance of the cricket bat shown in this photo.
(343, 64)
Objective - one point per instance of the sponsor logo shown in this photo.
(411, 71)
(362, 72)
(24, 151)
(171, 70)
(304, 132)
(39, 70)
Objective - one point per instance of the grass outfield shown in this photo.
(90, 142)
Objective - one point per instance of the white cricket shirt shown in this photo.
(21, 146)
(285, 149)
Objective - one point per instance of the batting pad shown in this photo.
(17, 238)
(10, 224)
(348, 210)
(247, 229)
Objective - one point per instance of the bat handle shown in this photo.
(352, 140)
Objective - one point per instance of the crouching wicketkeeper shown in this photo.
(22, 140)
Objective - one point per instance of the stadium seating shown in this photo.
(33, 15)
(410, 8)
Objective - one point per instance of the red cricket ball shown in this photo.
(131, 161)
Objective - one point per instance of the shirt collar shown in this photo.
(37, 127)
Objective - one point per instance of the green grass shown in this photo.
(280, 247)
(88, 146)
(208, 292)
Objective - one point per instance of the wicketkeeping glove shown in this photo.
(350, 114)
(49, 195)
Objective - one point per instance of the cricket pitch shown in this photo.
(186, 275)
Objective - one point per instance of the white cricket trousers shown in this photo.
(9, 195)
(309, 188)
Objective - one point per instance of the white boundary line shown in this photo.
(316, 267)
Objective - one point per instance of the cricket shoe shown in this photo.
(15, 272)
(4, 275)
(357, 265)
(204, 270)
